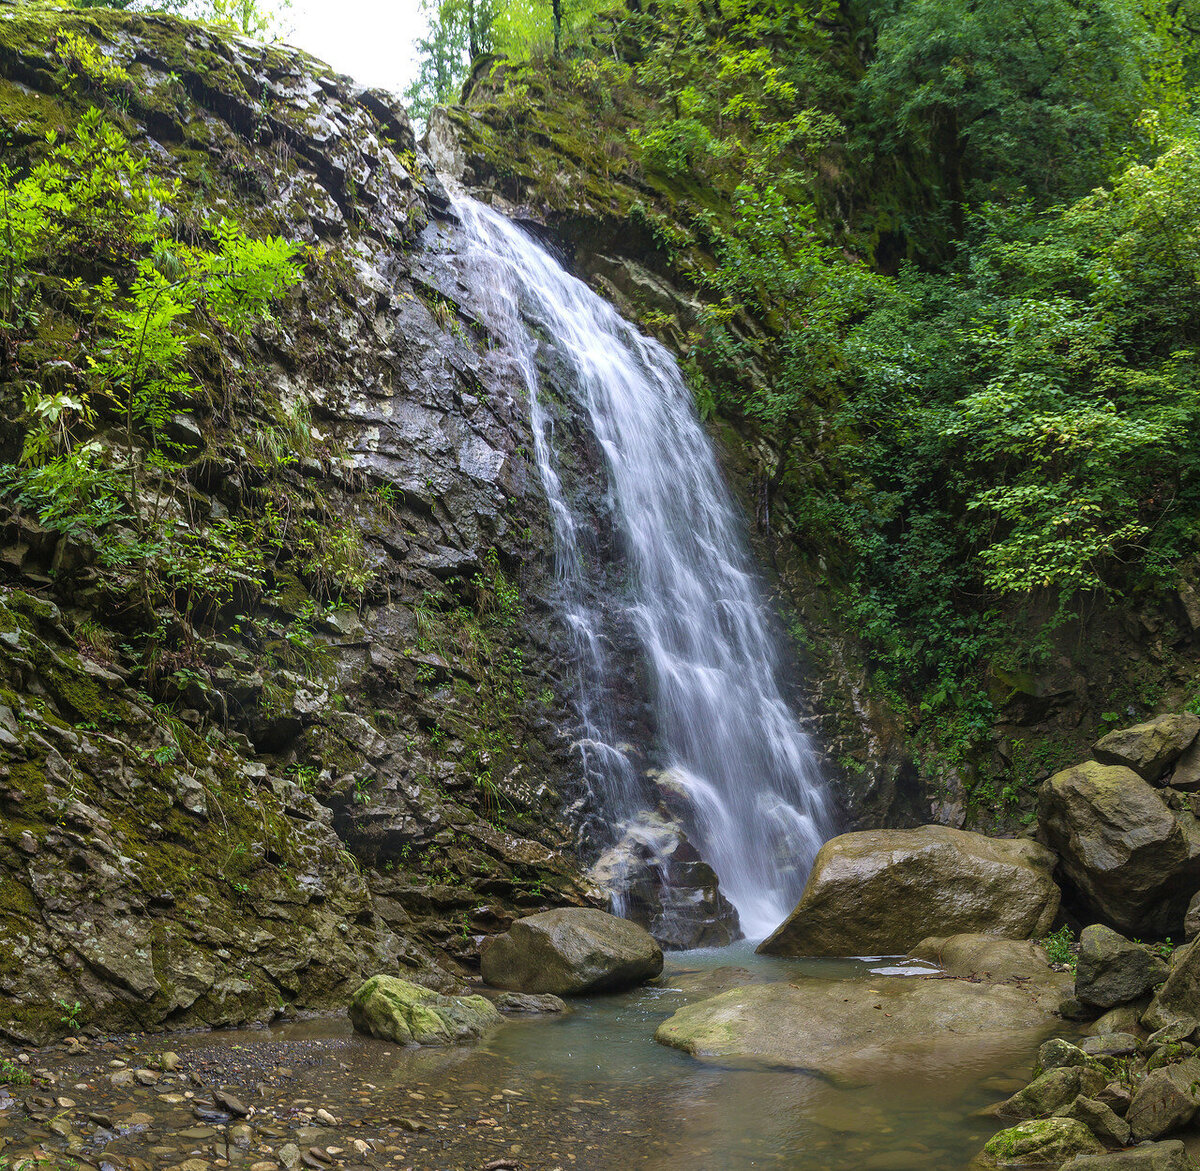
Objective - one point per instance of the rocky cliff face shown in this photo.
(357, 764)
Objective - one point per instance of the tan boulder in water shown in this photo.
(987, 957)
(881, 892)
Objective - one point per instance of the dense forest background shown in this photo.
(947, 256)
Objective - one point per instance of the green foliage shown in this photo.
(980, 444)
(95, 458)
(1004, 98)
(253, 18)
(12, 1074)
(1060, 946)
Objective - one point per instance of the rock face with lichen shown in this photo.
(354, 759)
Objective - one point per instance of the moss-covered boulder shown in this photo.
(1120, 846)
(396, 1010)
(1041, 1142)
(571, 951)
(1178, 997)
(880, 892)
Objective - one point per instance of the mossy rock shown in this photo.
(1042, 1142)
(408, 1014)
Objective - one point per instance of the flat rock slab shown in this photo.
(859, 1030)
(997, 960)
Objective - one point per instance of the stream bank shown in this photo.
(590, 1090)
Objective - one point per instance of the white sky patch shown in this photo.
(371, 40)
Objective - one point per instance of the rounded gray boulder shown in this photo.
(571, 951)
(881, 892)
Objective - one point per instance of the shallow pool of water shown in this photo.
(591, 1090)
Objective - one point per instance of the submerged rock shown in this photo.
(862, 1030)
(571, 951)
(395, 1010)
(883, 891)
(529, 1003)
(1121, 846)
(1111, 970)
(1166, 1156)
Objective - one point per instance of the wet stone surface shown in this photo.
(585, 1089)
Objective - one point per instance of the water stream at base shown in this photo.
(758, 809)
(588, 1091)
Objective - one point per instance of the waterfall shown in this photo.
(691, 593)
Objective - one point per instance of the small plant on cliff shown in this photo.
(70, 1014)
(92, 199)
(11, 1074)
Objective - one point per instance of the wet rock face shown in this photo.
(335, 780)
(881, 892)
(148, 875)
(659, 880)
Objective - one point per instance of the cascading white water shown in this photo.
(695, 599)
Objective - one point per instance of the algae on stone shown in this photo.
(408, 1014)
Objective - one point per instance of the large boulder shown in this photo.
(880, 892)
(1121, 846)
(1042, 1142)
(1150, 748)
(866, 1031)
(571, 951)
(1178, 998)
(408, 1014)
(1166, 1100)
(1112, 970)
